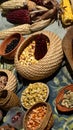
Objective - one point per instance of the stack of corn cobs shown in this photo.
(33, 15)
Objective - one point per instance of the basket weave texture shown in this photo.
(47, 65)
(48, 120)
(9, 101)
(12, 81)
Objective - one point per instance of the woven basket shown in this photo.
(33, 92)
(47, 65)
(12, 81)
(47, 121)
(8, 100)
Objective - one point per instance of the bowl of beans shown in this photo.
(64, 99)
(38, 117)
(10, 44)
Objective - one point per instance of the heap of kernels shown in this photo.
(35, 117)
(27, 57)
(34, 93)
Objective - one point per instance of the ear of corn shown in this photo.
(23, 29)
(67, 15)
(40, 25)
(18, 16)
(13, 4)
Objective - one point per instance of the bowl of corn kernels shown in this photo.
(35, 92)
(9, 45)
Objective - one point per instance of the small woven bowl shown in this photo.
(45, 66)
(8, 100)
(37, 91)
(59, 98)
(47, 121)
(6, 42)
(11, 80)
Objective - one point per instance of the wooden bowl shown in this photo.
(46, 121)
(10, 55)
(11, 80)
(67, 44)
(45, 66)
(60, 97)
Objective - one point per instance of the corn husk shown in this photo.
(25, 29)
(12, 4)
(15, 4)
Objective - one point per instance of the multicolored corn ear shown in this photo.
(18, 16)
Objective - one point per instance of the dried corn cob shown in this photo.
(40, 25)
(14, 4)
(23, 29)
(67, 15)
(18, 16)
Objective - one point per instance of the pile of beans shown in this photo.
(35, 117)
(11, 45)
(67, 100)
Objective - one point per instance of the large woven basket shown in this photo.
(12, 81)
(47, 65)
(47, 121)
